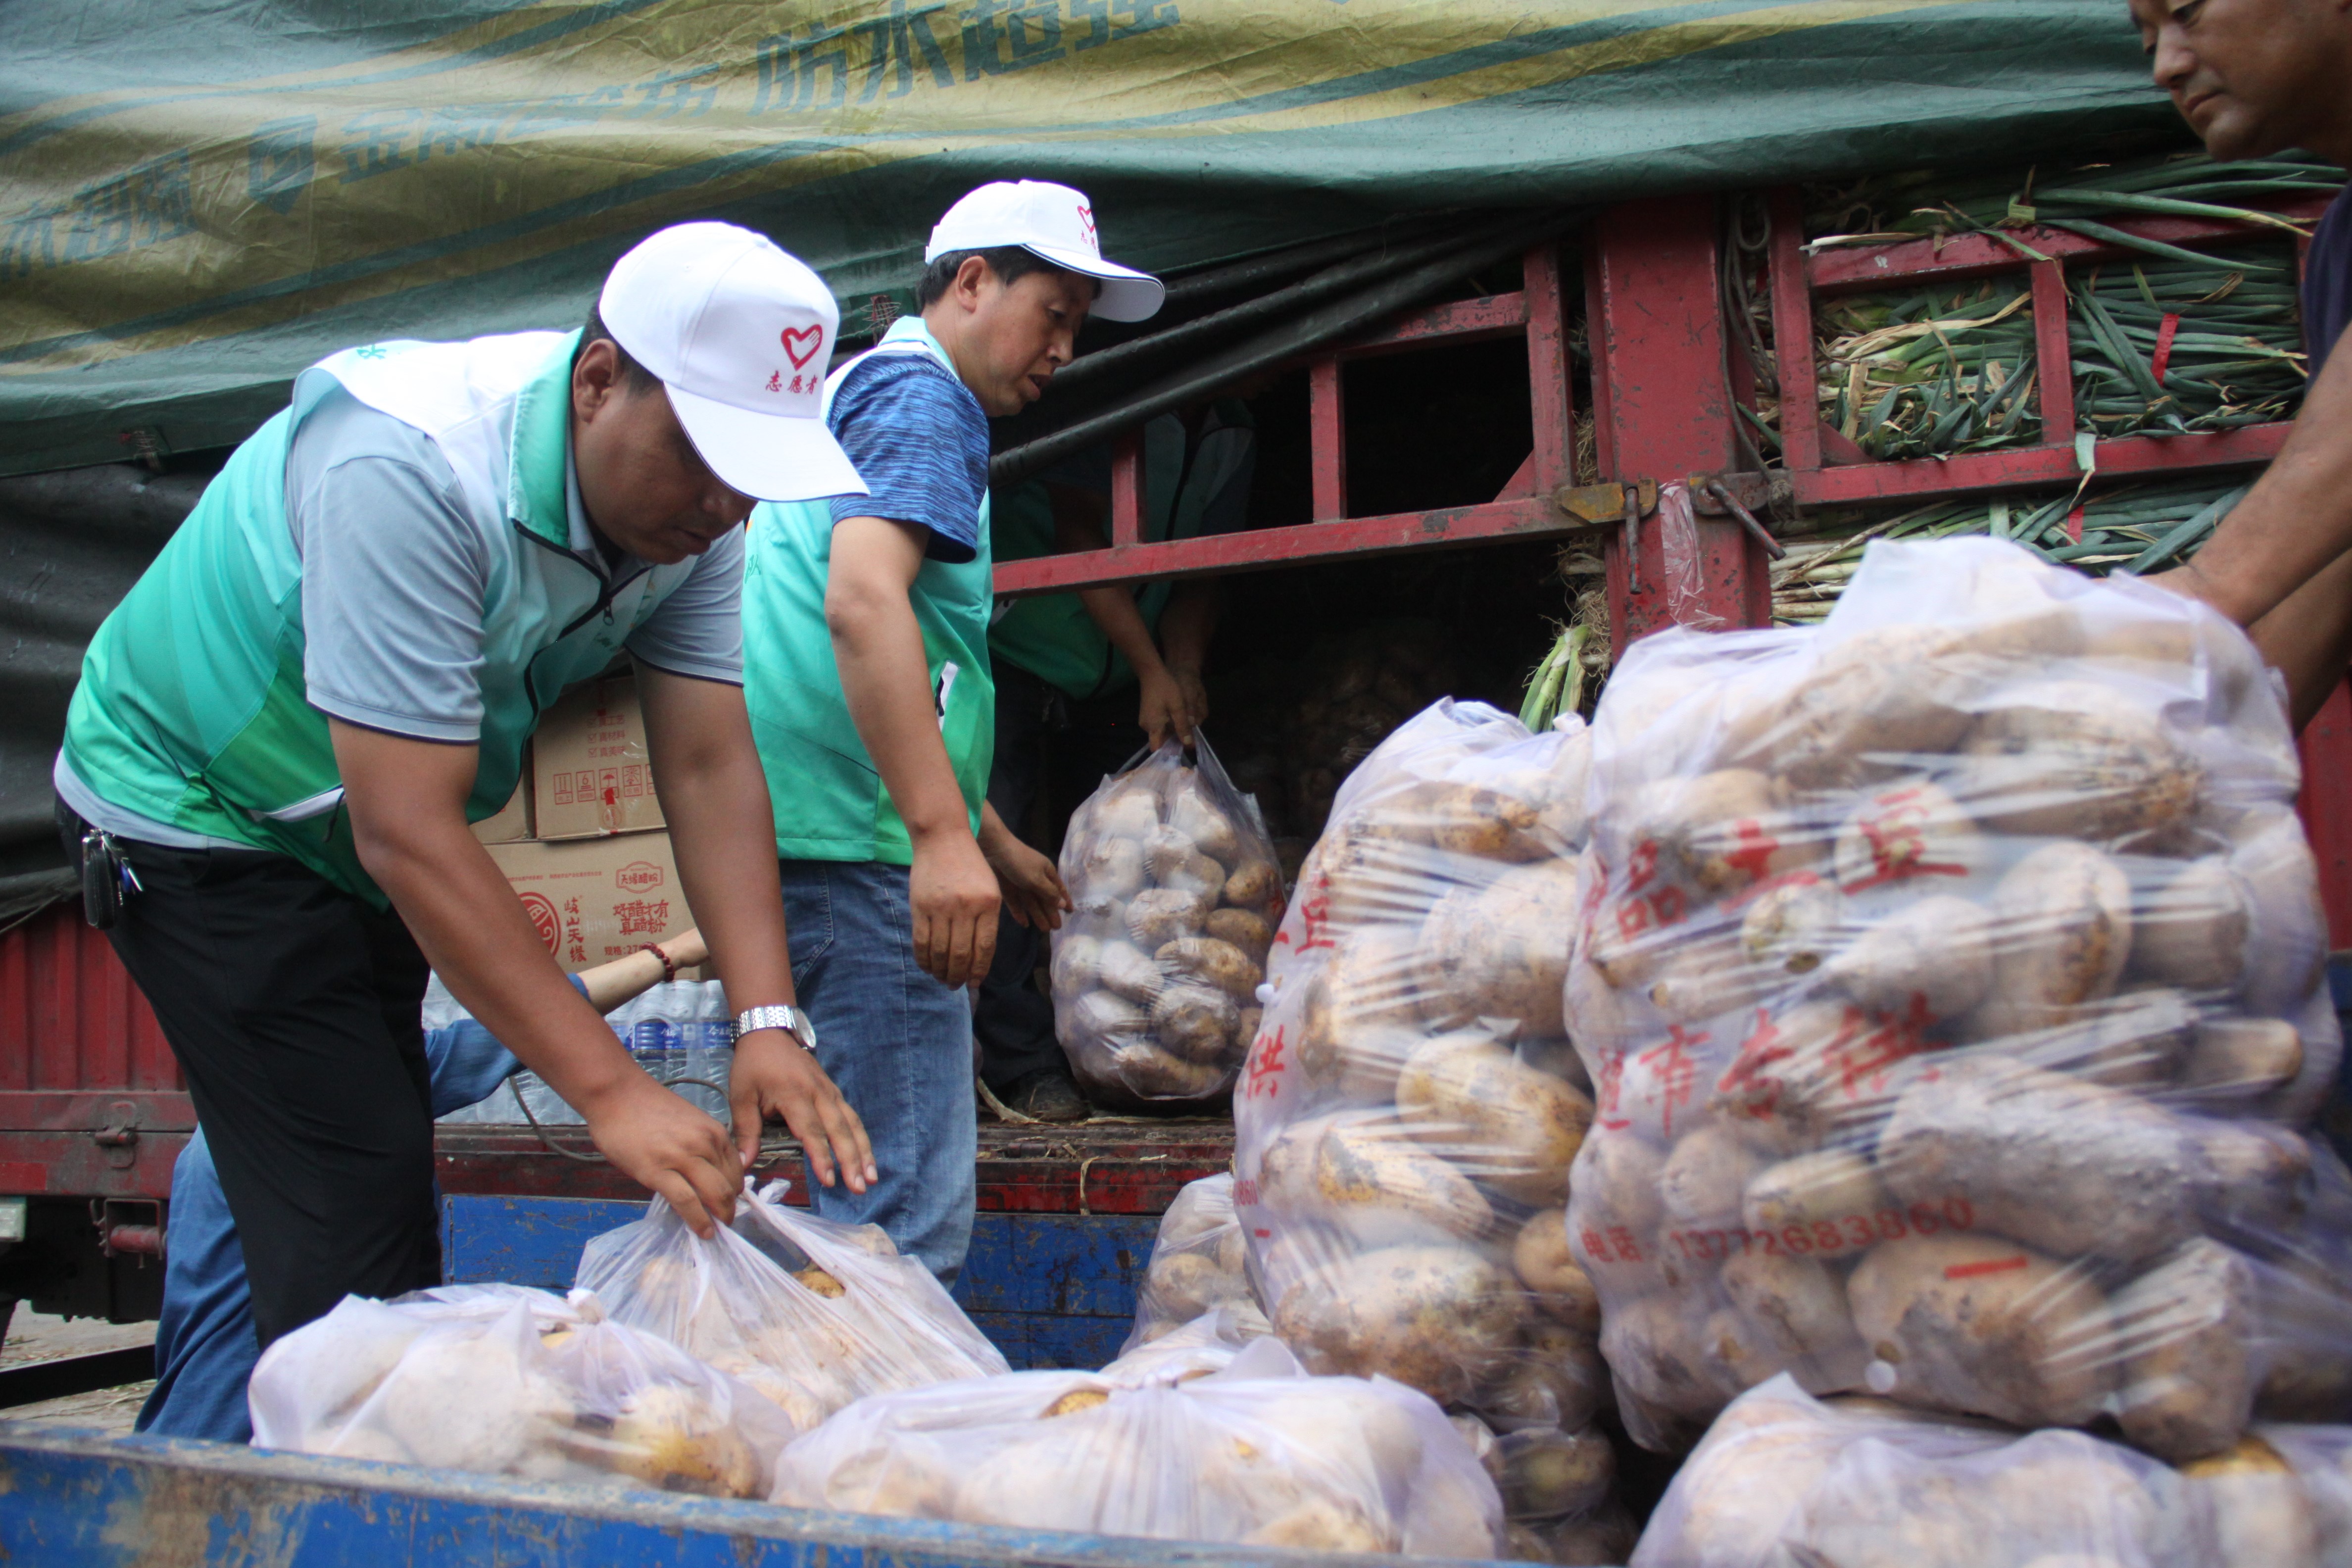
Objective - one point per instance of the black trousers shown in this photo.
(294, 1009)
(1043, 740)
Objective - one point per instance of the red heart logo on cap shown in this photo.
(1087, 216)
(802, 343)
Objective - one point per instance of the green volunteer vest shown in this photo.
(827, 794)
(191, 710)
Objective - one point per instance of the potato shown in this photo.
(1286, 1168)
(1243, 930)
(1794, 925)
(1186, 1284)
(1723, 831)
(2076, 760)
(1360, 1014)
(1704, 1176)
(1795, 1082)
(1615, 1180)
(2258, 1175)
(1112, 867)
(1207, 960)
(1127, 971)
(1911, 831)
(1511, 1127)
(2063, 1165)
(1707, 977)
(1194, 1022)
(1158, 916)
(2188, 1327)
(1384, 1188)
(1166, 848)
(1254, 885)
(1140, 1067)
(1455, 818)
(1199, 876)
(2262, 1515)
(1550, 1272)
(2138, 1041)
(1501, 952)
(1830, 1186)
(1547, 1472)
(1928, 961)
(1657, 1356)
(1438, 1318)
(1130, 811)
(2243, 1056)
(1191, 814)
(1559, 1381)
(1799, 1309)
(1980, 1324)
(2065, 929)
(1077, 964)
(1875, 702)
(1246, 1022)
(1097, 1017)
(2287, 952)
(2191, 931)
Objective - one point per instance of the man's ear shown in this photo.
(595, 377)
(970, 280)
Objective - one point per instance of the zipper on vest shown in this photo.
(606, 586)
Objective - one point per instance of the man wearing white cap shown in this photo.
(283, 731)
(865, 644)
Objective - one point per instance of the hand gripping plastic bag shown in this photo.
(1408, 1113)
(1257, 1454)
(1784, 1480)
(1155, 973)
(507, 1381)
(1200, 1262)
(810, 1312)
(1950, 975)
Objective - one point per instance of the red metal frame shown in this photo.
(1825, 469)
(1524, 509)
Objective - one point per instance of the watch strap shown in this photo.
(778, 1015)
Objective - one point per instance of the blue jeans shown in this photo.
(205, 1341)
(898, 1044)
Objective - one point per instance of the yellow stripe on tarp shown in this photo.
(116, 219)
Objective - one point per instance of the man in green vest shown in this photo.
(1075, 666)
(283, 731)
(866, 642)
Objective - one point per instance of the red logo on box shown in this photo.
(638, 876)
(541, 911)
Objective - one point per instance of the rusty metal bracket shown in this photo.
(120, 1136)
(1605, 503)
(132, 1226)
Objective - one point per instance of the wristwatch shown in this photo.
(790, 1019)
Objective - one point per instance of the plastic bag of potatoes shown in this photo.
(1155, 973)
(1199, 1263)
(1784, 1479)
(1257, 1454)
(1408, 1113)
(501, 1380)
(1560, 1491)
(810, 1312)
(1951, 977)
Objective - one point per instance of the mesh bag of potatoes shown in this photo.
(1257, 1454)
(1156, 970)
(810, 1312)
(1406, 1119)
(501, 1380)
(1200, 1264)
(1952, 978)
(1784, 1479)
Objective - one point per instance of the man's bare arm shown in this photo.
(715, 799)
(407, 804)
(1078, 517)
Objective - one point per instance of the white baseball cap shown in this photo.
(740, 334)
(1052, 221)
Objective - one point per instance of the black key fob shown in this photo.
(102, 880)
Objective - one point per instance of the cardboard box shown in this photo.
(590, 771)
(596, 900)
(513, 821)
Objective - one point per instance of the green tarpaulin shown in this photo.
(197, 197)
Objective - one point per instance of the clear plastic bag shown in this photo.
(1205, 1344)
(1951, 976)
(1155, 973)
(1784, 1479)
(507, 1381)
(810, 1312)
(1200, 1262)
(1408, 1113)
(1257, 1454)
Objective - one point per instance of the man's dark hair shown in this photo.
(1010, 263)
(635, 377)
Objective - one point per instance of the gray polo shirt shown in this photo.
(395, 573)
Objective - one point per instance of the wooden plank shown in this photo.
(1792, 334)
(1475, 321)
(1127, 499)
(2053, 387)
(1257, 549)
(2038, 466)
(1326, 441)
(1550, 403)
